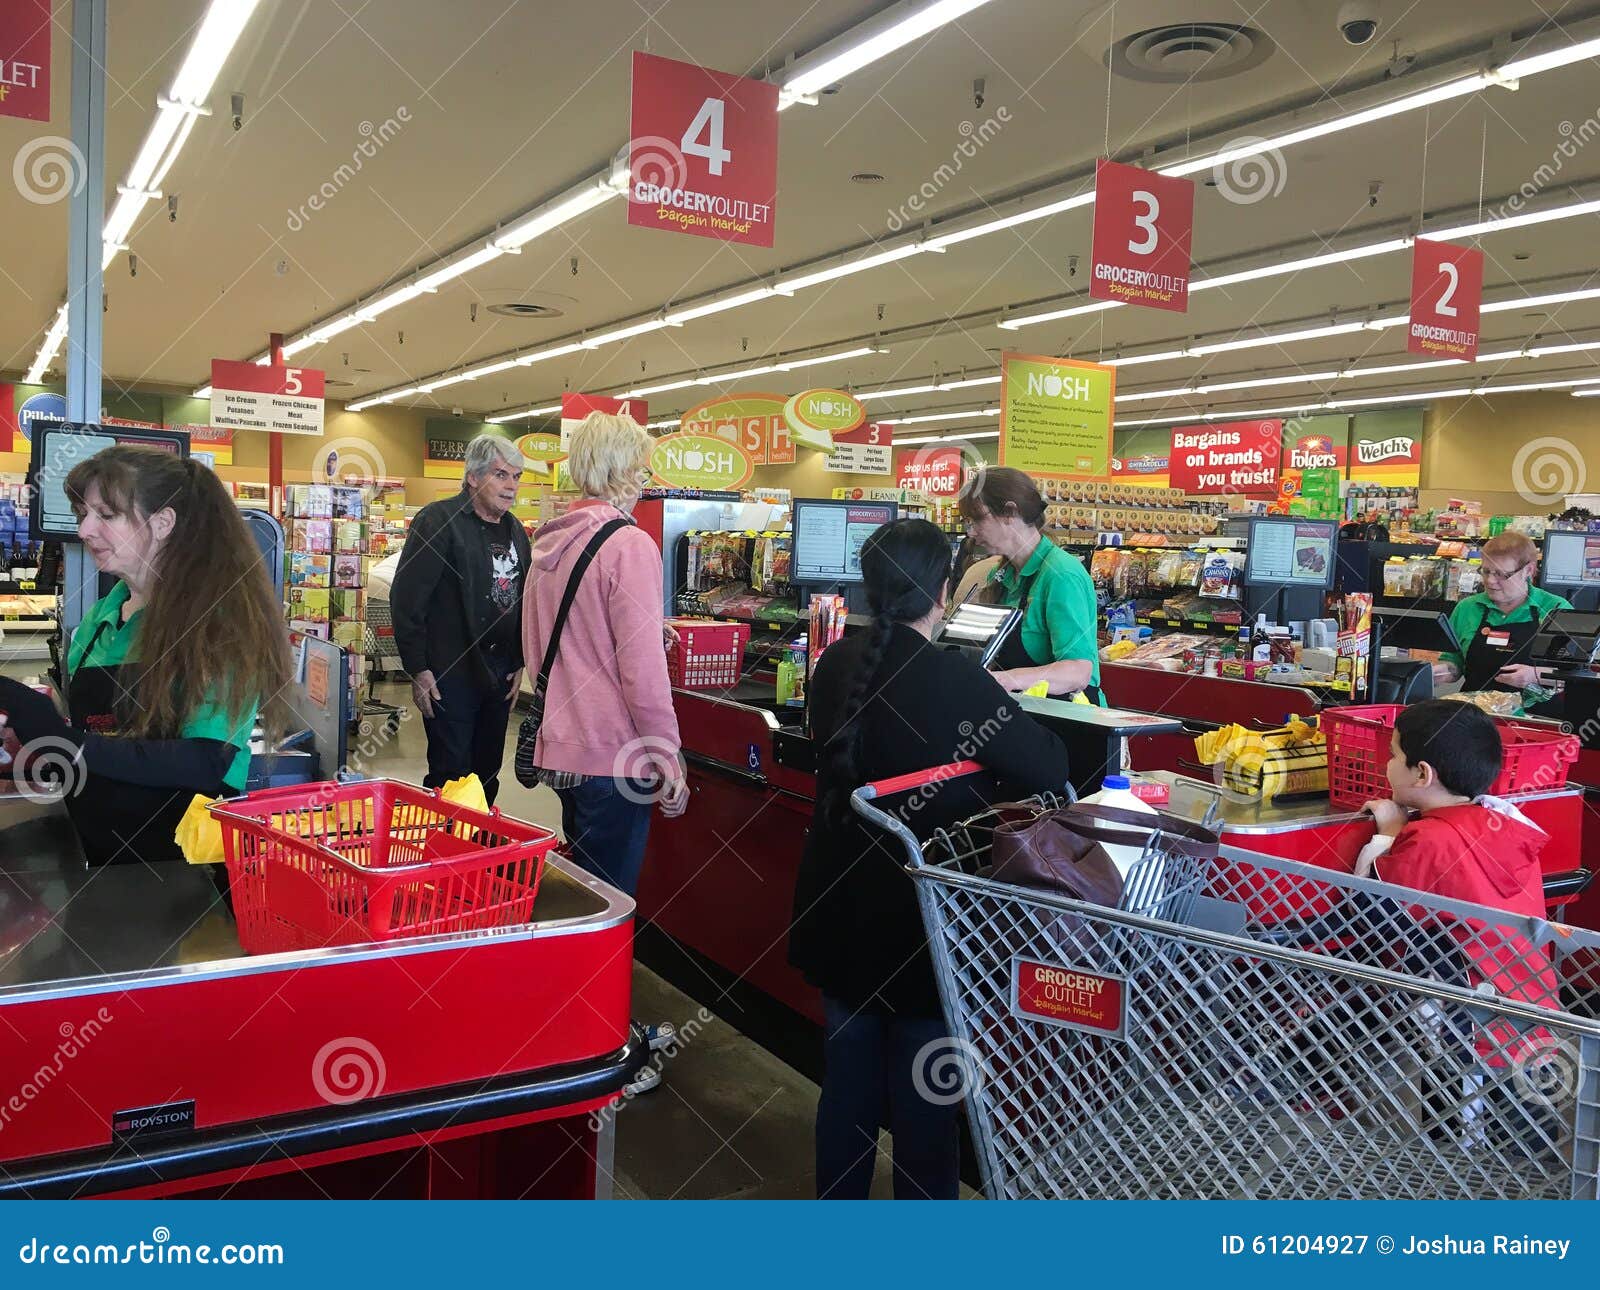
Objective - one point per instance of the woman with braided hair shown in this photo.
(886, 702)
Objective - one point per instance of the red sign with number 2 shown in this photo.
(1446, 293)
(702, 152)
(1143, 225)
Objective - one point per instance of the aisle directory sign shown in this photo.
(285, 400)
(25, 74)
(702, 152)
(1143, 226)
(1446, 293)
(1055, 416)
(866, 450)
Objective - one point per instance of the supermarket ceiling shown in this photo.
(471, 114)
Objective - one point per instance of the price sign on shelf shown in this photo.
(287, 400)
(1446, 294)
(702, 152)
(1143, 225)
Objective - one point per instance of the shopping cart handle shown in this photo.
(934, 775)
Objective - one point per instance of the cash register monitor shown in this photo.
(1570, 566)
(977, 630)
(828, 536)
(1566, 639)
(1290, 552)
(58, 447)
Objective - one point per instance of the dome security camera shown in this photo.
(1358, 21)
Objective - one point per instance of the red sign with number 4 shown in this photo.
(703, 152)
(1143, 225)
(1446, 293)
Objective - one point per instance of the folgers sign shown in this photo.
(1068, 996)
(1227, 457)
(1316, 452)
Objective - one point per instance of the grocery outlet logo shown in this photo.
(373, 140)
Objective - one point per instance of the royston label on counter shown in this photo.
(1069, 996)
(153, 1121)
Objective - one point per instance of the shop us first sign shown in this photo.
(702, 152)
(25, 59)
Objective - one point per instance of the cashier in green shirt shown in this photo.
(1057, 640)
(1496, 627)
(166, 674)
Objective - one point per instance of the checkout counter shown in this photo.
(146, 1055)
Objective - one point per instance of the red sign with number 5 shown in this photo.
(1446, 292)
(1143, 225)
(702, 152)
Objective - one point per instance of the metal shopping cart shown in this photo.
(378, 645)
(1259, 1029)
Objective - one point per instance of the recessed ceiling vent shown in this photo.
(1184, 51)
(522, 309)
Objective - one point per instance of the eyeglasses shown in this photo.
(1491, 574)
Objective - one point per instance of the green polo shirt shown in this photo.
(118, 644)
(1060, 622)
(1469, 616)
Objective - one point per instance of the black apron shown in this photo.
(1485, 655)
(1013, 653)
(118, 822)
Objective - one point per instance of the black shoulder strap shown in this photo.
(585, 559)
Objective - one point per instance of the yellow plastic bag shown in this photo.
(468, 792)
(199, 835)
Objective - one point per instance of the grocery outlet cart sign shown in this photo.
(287, 400)
(1143, 226)
(1446, 294)
(25, 59)
(1069, 996)
(702, 152)
(1055, 416)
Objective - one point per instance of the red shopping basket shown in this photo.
(1358, 737)
(708, 654)
(345, 864)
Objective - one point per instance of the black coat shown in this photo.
(857, 931)
(440, 600)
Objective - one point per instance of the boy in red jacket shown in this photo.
(1465, 846)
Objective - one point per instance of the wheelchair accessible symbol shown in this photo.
(753, 758)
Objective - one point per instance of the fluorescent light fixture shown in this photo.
(1535, 302)
(1384, 247)
(1585, 394)
(1503, 222)
(1072, 311)
(643, 390)
(294, 347)
(555, 351)
(801, 281)
(204, 392)
(663, 424)
(1390, 368)
(52, 344)
(1561, 57)
(940, 241)
(900, 25)
(553, 214)
(1537, 385)
(362, 405)
(722, 378)
(969, 383)
(861, 351)
(479, 258)
(1384, 400)
(1281, 338)
(489, 369)
(897, 392)
(690, 312)
(929, 418)
(948, 438)
(526, 412)
(1135, 360)
(623, 333)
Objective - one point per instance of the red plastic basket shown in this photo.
(1358, 737)
(708, 655)
(346, 864)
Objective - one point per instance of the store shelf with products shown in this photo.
(326, 563)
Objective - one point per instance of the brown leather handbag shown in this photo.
(1062, 850)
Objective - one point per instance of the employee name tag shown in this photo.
(1496, 639)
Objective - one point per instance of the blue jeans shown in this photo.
(467, 733)
(871, 1068)
(606, 823)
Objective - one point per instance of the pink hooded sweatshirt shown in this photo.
(608, 710)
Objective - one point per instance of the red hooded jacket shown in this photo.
(1487, 853)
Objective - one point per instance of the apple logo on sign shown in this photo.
(694, 459)
(1052, 385)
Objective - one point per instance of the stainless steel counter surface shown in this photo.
(63, 924)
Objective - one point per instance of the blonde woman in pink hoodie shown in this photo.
(608, 743)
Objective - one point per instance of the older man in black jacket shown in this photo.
(457, 606)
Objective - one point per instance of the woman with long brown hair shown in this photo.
(167, 674)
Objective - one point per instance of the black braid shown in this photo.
(844, 748)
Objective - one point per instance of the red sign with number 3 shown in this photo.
(702, 152)
(1446, 293)
(1143, 225)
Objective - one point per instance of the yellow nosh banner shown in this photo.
(1055, 416)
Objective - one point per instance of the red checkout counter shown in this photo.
(145, 1055)
(719, 881)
